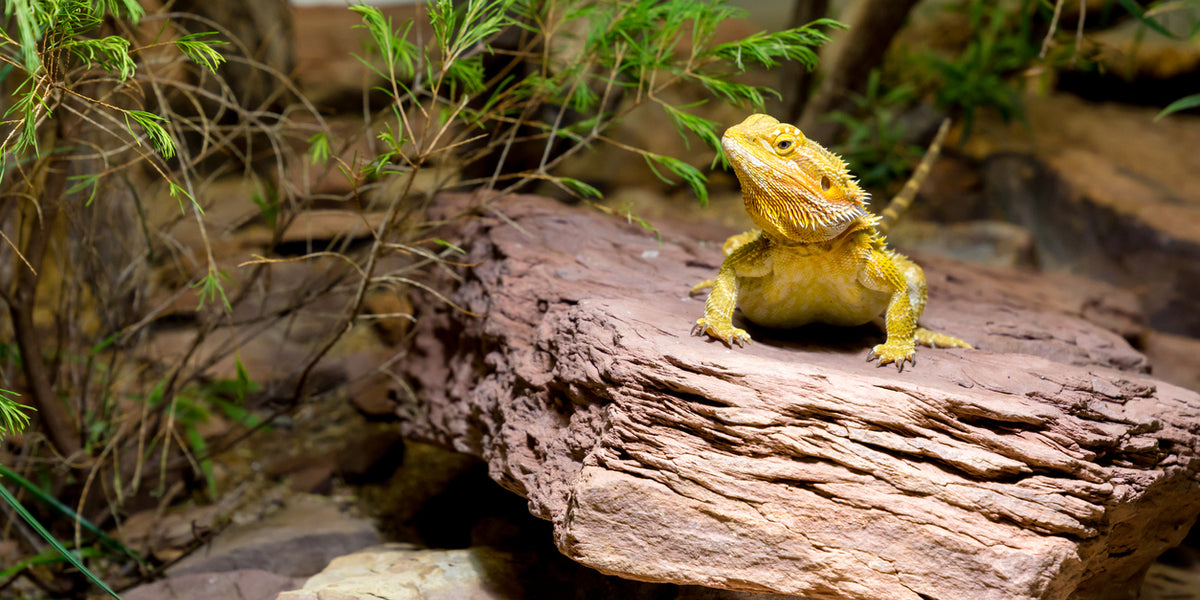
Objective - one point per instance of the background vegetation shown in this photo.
(120, 128)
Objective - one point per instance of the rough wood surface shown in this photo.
(1045, 464)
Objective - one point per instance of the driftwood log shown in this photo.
(1045, 464)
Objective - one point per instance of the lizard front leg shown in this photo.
(915, 278)
(751, 259)
(733, 243)
(904, 307)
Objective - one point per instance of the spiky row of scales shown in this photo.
(904, 199)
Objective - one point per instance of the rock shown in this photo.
(298, 541)
(1128, 52)
(404, 572)
(1175, 358)
(995, 243)
(399, 572)
(793, 466)
(327, 38)
(243, 584)
(166, 536)
(376, 454)
(1108, 193)
(318, 228)
(1164, 582)
(305, 473)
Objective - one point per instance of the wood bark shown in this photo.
(1045, 464)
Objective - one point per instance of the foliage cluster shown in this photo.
(981, 75)
(874, 146)
(588, 63)
(1011, 43)
(98, 103)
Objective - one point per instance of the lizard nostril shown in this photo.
(825, 183)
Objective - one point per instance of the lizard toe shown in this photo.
(893, 353)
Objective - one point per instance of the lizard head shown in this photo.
(795, 190)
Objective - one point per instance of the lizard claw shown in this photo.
(726, 333)
(889, 353)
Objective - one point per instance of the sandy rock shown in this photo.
(404, 572)
(1041, 465)
(1128, 51)
(398, 572)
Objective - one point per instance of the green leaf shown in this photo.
(627, 212)
(399, 54)
(159, 137)
(27, 104)
(25, 13)
(133, 11)
(688, 173)
(12, 420)
(200, 449)
(84, 181)
(70, 556)
(769, 49)
(245, 384)
(578, 187)
(211, 289)
(179, 193)
(269, 207)
(111, 53)
(200, 50)
(1133, 9)
(703, 128)
(1181, 104)
(49, 500)
(318, 148)
(45, 557)
(442, 242)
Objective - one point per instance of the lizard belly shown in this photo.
(821, 288)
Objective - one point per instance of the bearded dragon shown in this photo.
(818, 255)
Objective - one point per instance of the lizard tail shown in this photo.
(901, 202)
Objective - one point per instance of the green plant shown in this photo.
(76, 118)
(12, 419)
(981, 75)
(68, 555)
(1147, 18)
(65, 85)
(587, 64)
(194, 405)
(874, 144)
(632, 50)
(99, 108)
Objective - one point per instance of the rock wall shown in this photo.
(1043, 465)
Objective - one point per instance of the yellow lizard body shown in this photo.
(818, 255)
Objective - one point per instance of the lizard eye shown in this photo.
(784, 144)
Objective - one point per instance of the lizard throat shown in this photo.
(794, 219)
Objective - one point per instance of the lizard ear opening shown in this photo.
(825, 183)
